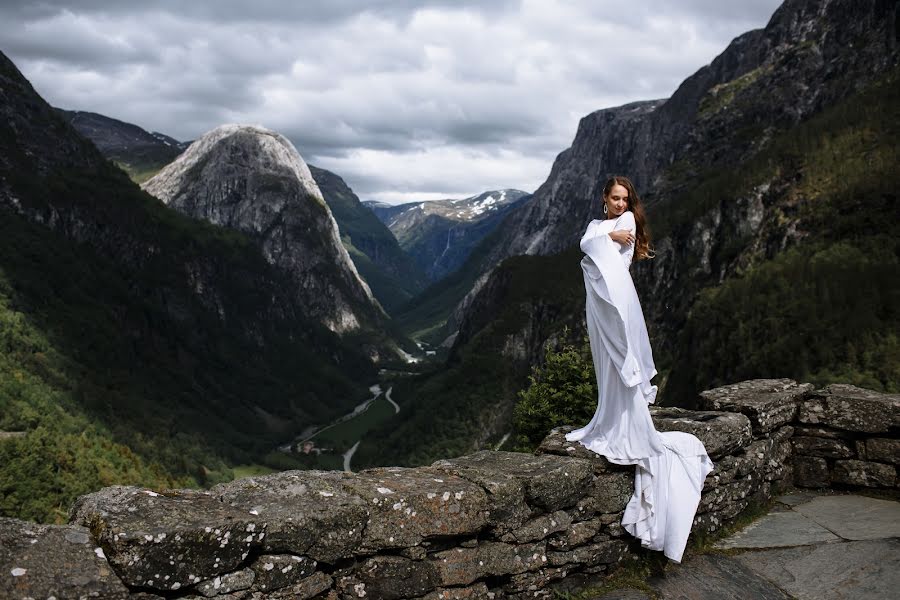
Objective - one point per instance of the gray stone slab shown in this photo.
(854, 517)
(865, 570)
(714, 577)
(779, 530)
(795, 498)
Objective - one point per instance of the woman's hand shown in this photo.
(622, 236)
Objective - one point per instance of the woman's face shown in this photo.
(617, 201)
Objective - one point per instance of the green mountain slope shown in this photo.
(391, 274)
(172, 343)
(827, 309)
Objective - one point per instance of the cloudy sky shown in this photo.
(406, 100)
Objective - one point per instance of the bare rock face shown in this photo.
(768, 403)
(851, 408)
(253, 180)
(45, 561)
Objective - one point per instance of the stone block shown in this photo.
(864, 473)
(883, 450)
(721, 432)
(768, 403)
(549, 482)
(395, 577)
(478, 591)
(606, 552)
(507, 509)
(311, 513)
(166, 541)
(556, 443)
(576, 535)
(534, 581)
(847, 407)
(823, 447)
(276, 571)
(463, 566)
(227, 583)
(611, 491)
(811, 472)
(407, 506)
(306, 588)
(61, 561)
(539, 528)
(822, 432)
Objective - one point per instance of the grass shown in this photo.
(251, 470)
(631, 573)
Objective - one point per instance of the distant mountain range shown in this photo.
(441, 234)
(397, 264)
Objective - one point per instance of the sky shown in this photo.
(406, 100)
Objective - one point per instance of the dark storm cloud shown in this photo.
(406, 99)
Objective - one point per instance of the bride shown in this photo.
(670, 466)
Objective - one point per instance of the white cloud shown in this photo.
(405, 100)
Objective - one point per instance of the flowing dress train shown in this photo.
(670, 466)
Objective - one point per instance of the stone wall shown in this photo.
(498, 525)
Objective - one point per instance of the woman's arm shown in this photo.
(624, 233)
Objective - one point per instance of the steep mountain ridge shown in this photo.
(766, 81)
(166, 341)
(253, 180)
(811, 54)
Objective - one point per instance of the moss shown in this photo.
(631, 574)
(721, 96)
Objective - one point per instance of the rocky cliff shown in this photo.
(253, 180)
(811, 54)
(499, 525)
(739, 164)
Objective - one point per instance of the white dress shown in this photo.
(670, 466)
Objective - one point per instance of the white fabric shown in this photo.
(670, 466)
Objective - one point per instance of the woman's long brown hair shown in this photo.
(642, 248)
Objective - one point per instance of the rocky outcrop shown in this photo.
(253, 180)
(488, 525)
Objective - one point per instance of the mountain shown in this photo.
(392, 275)
(441, 234)
(771, 185)
(687, 154)
(138, 345)
(139, 153)
(253, 180)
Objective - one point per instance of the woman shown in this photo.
(670, 466)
